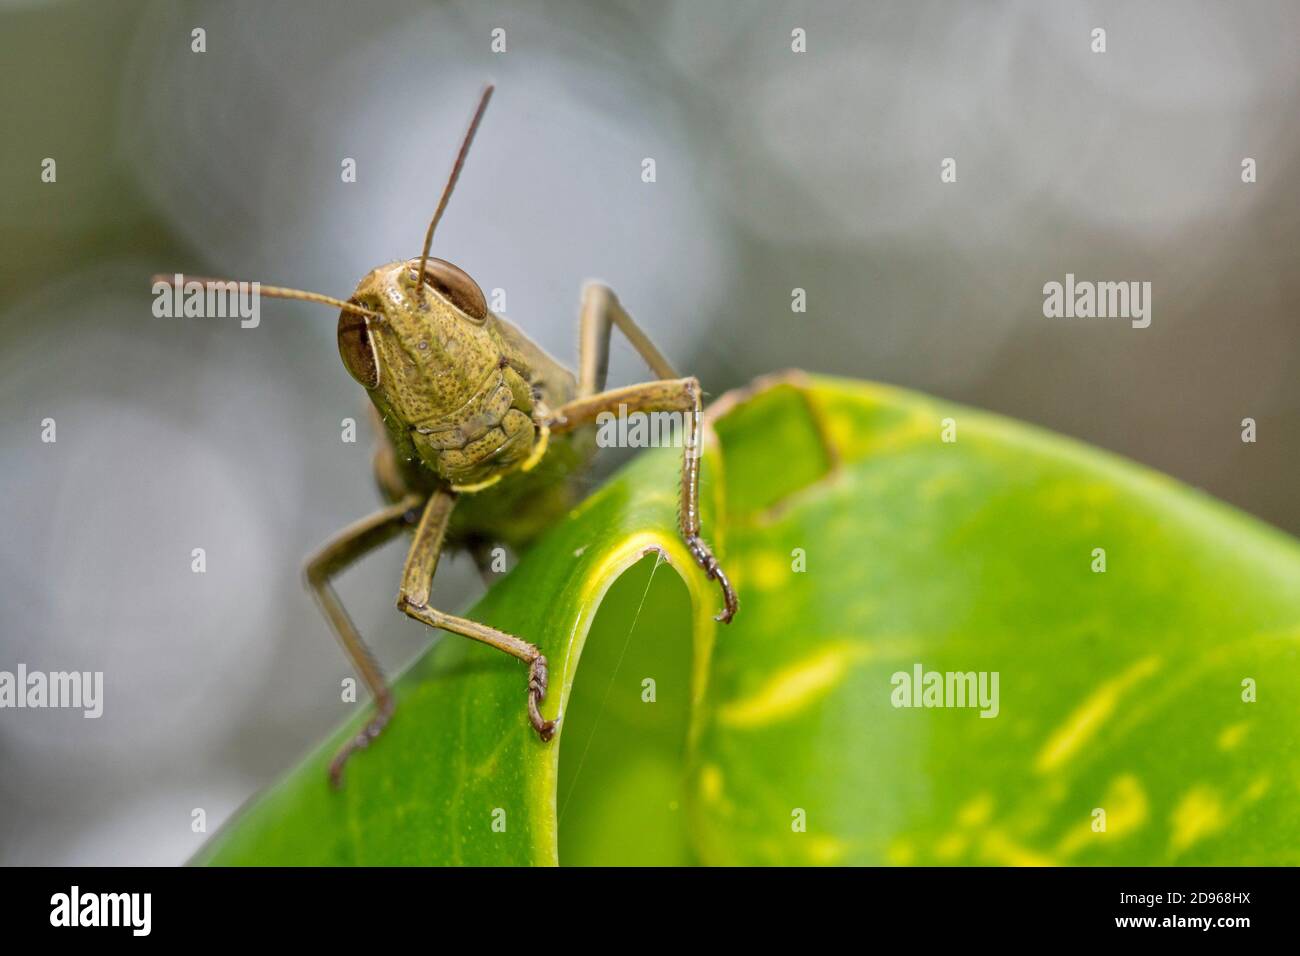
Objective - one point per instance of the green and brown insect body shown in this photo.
(485, 437)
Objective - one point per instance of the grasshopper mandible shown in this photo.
(483, 435)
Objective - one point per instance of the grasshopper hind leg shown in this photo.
(601, 312)
(345, 549)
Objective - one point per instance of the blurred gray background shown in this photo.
(775, 170)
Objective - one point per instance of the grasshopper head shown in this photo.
(429, 353)
(432, 349)
(418, 335)
(422, 343)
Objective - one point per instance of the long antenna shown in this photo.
(272, 292)
(455, 174)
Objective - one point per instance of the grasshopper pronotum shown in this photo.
(483, 431)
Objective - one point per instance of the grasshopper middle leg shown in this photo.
(413, 600)
(601, 312)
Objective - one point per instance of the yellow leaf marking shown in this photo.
(1258, 787)
(999, 848)
(951, 846)
(1233, 735)
(977, 812)
(711, 783)
(1197, 815)
(794, 687)
(824, 850)
(767, 571)
(901, 852)
(1126, 808)
(1083, 724)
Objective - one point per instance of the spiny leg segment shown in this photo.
(344, 549)
(413, 600)
(601, 311)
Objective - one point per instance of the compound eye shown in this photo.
(357, 350)
(453, 284)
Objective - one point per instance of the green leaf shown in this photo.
(862, 546)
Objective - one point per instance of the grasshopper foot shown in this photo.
(384, 711)
(705, 559)
(537, 681)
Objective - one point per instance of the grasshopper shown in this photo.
(483, 436)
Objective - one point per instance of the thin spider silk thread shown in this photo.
(610, 687)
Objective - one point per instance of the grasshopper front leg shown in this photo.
(413, 600)
(601, 311)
